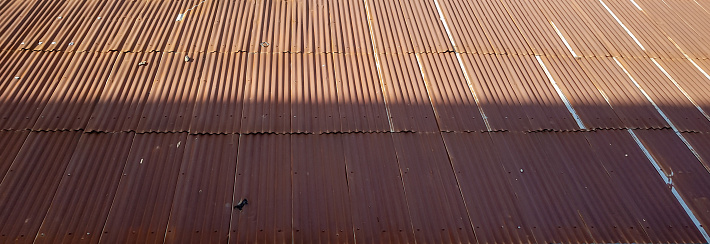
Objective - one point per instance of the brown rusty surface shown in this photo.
(27, 190)
(203, 202)
(84, 196)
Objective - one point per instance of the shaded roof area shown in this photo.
(342, 121)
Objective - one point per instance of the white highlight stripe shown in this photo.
(636, 4)
(463, 67)
(562, 95)
(680, 88)
(673, 188)
(377, 65)
(563, 39)
(622, 24)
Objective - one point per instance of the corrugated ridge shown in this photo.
(84, 195)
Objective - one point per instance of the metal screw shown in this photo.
(264, 44)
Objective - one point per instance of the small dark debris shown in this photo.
(143, 63)
(241, 204)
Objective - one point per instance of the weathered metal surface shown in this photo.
(203, 204)
(378, 202)
(434, 199)
(27, 190)
(141, 207)
(264, 179)
(86, 191)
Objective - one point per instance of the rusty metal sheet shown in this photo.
(690, 80)
(538, 180)
(378, 203)
(28, 92)
(647, 197)
(629, 103)
(361, 101)
(219, 103)
(321, 201)
(608, 30)
(536, 29)
(570, 22)
(515, 94)
(669, 98)
(495, 211)
(589, 103)
(264, 179)
(77, 93)
(408, 103)
(701, 144)
(683, 34)
(267, 93)
(10, 144)
(84, 195)
(454, 104)
(31, 182)
(434, 199)
(314, 95)
(686, 173)
(203, 204)
(126, 92)
(395, 27)
(145, 194)
(651, 36)
(172, 98)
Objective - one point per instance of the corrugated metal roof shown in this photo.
(337, 121)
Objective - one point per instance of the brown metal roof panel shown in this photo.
(15, 63)
(547, 110)
(495, 210)
(10, 144)
(588, 102)
(378, 203)
(634, 110)
(687, 175)
(536, 29)
(435, 202)
(690, 80)
(647, 196)
(590, 189)
(171, 100)
(360, 98)
(203, 203)
(267, 93)
(141, 206)
(649, 35)
(34, 18)
(454, 104)
(27, 189)
(321, 203)
(153, 25)
(25, 98)
(389, 31)
(74, 99)
(264, 179)
(194, 31)
(314, 95)
(218, 108)
(497, 95)
(126, 92)
(84, 195)
(579, 37)
(668, 97)
(612, 34)
(466, 30)
(423, 17)
(678, 30)
(701, 144)
(407, 99)
(537, 179)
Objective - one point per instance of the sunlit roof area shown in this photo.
(354, 121)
